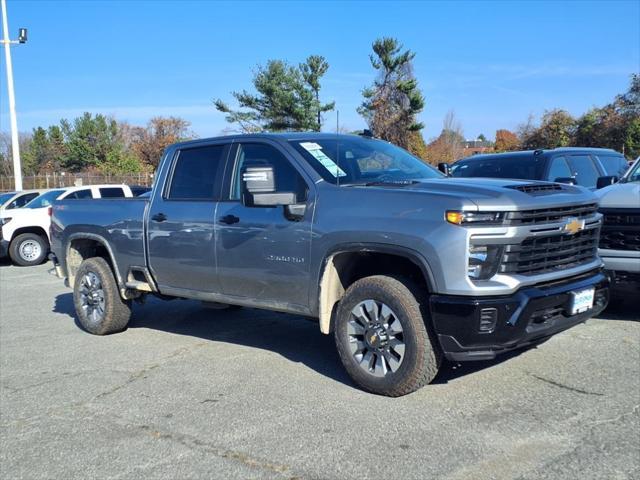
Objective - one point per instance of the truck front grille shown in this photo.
(551, 253)
(620, 229)
(549, 215)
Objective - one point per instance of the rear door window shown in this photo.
(22, 200)
(559, 169)
(111, 192)
(196, 172)
(584, 170)
(79, 194)
(613, 164)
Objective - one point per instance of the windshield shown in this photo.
(5, 197)
(358, 160)
(634, 174)
(614, 164)
(523, 167)
(45, 199)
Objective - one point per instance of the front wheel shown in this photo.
(382, 337)
(28, 249)
(99, 307)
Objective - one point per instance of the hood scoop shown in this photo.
(539, 188)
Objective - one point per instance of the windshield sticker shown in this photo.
(316, 150)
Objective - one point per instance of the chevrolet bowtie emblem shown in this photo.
(573, 226)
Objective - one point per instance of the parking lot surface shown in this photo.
(189, 392)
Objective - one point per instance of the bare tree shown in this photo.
(6, 155)
(449, 145)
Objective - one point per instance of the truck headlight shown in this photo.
(458, 217)
(483, 261)
(4, 220)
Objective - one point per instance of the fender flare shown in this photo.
(102, 241)
(330, 289)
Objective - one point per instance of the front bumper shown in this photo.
(526, 317)
(620, 260)
(4, 248)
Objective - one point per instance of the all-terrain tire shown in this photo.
(87, 294)
(28, 249)
(422, 356)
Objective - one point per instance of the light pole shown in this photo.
(15, 147)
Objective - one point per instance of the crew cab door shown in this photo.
(181, 220)
(263, 252)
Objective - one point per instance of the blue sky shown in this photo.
(493, 63)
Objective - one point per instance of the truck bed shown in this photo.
(119, 221)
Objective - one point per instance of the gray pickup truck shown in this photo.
(620, 235)
(402, 265)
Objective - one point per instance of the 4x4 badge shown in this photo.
(573, 226)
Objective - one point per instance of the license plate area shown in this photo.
(582, 300)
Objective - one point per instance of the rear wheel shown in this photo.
(99, 307)
(28, 249)
(382, 337)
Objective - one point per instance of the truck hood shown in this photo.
(620, 195)
(506, 194)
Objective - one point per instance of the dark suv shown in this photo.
(588, 167)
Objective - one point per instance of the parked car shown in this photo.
(587, 167)
(24, 232)
(12, 200)
(402, 264)
(139, 190)
(620, 236)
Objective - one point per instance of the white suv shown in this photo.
(11, 200)
(24, 232)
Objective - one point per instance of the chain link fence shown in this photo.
(57, 180)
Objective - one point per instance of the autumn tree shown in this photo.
(616, 125)
(286, 98)
(148, 143)
(391, 105)
(556, 129)
(506, 141)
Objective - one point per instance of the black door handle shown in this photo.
(159, 217)
(229, 219)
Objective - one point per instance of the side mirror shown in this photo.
(444, 168)
(568, 180)
(606, 181)
(260, 188)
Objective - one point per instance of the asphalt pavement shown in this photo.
(190, 392)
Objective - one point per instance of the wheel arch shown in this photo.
(81, 246)
(31, 229)
(347, 263)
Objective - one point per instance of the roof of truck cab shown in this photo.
(541, 152)
(269, 135)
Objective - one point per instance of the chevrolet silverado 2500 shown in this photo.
(402, 265)
(620, 235)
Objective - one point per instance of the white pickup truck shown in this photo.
(24, 232)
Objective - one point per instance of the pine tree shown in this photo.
(393, 102)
